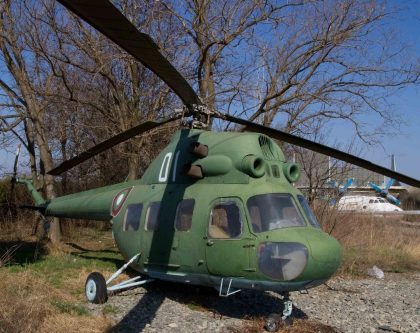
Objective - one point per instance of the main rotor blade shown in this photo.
(111, 142)
(107, 19)
(319, 148)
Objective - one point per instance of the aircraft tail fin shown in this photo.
(39, 200)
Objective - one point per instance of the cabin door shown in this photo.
(228, 244)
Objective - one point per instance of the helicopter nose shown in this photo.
(325, 251)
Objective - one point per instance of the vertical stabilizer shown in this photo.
(39, 200)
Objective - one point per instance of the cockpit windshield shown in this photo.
(273, 211)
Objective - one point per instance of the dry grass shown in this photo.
(369, 240)
(7, 256)
(24, 305)
(31, 304)
(256, 325)
(60, 322)
(45, 292)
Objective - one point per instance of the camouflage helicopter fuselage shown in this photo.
(212, 206)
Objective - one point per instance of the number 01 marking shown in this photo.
(164, 169)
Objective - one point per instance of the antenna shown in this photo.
(394, 168)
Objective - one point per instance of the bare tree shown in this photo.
(109, 90)
(297, 65)
(332, 60)
(20, 89)
(221, 32)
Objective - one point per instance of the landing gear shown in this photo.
(272, 323)
(97, 288)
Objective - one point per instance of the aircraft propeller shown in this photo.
(340, 189)
(384, 192)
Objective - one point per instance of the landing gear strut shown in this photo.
(272, 323)
(97, 288)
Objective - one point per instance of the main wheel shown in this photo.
(272, 323)
(95, 288)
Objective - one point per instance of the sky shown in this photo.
(405, 145)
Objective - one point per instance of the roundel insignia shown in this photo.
(119, 200)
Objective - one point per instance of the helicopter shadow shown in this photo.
(82, 249)
(244, 305)
(105, 255)
(21, 252)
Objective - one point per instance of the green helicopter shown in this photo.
(214, 209)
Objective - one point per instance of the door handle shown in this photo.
(210, 242)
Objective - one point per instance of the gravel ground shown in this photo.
(349, 305)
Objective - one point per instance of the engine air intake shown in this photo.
(254, 166)
(291, 172)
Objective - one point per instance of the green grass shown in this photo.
(67, 307)
(57, 268)
(194, 307)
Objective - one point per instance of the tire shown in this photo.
(272, 323)
(95, 288)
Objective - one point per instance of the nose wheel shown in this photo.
(274, 320)
(95, 288)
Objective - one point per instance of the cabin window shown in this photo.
(152, 216)
(273, 211)
(184, 213)
(225, 220)
(308, 211)
(275, 170)
(132, 217)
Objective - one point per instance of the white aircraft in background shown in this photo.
(365, 203)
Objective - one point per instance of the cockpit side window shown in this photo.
(225, 220)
